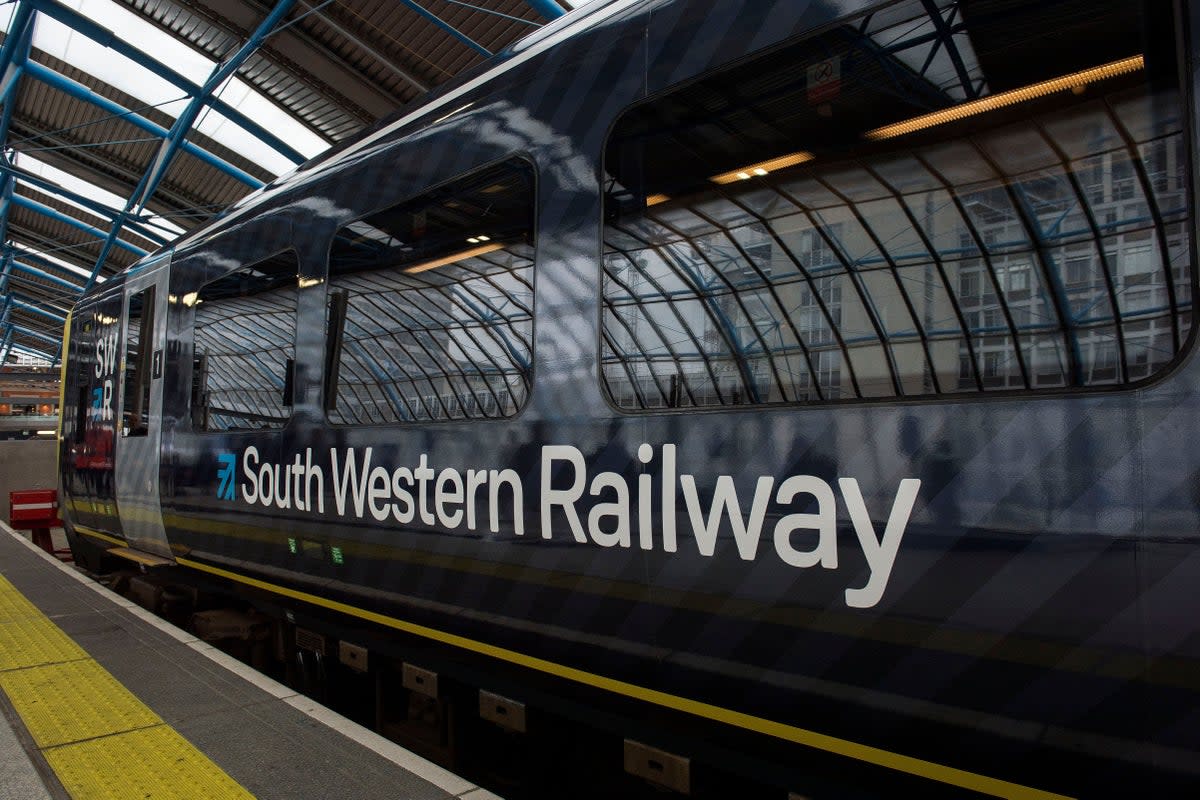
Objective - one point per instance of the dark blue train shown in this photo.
(804, 389)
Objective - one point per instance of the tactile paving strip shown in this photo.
(14, 606)
(153, 762)
(97, 736)
(62, 703)
(31, 642)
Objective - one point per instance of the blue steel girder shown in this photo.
(81, 92)
(81, 24)
(67, 219)
(15, 52)
(33, 308)
(6, 195)
(942, 37)
(31, 333)
(15, 346)
(176, 138)
(40, 272)
(547, 8)
(946, 41)
(16, 44)
(5, 344)
(448, 28)
(183, 123)
(100, 209)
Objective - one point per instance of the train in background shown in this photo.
(765, 397)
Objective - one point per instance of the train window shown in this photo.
(245, 325)
(431, 304)
(139, 343)
(904, 207)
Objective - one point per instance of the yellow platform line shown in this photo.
(100, 740)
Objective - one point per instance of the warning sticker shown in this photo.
(825, 80)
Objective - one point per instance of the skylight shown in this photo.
(56, 261)
(72, 183)
(60, 41)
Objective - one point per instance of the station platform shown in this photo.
(99, 698)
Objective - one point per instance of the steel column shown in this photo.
(20, 31)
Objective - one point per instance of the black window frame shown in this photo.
(337, 301)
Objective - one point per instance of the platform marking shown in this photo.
(385, 748)
(100, 740)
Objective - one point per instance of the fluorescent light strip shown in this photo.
(1031, 92)
(450, 259)
(762, 168)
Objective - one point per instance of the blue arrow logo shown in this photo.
(225, 473)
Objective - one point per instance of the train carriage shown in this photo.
(805, 388)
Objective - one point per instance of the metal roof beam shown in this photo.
(293, 45)
(17, 266)
(21, 329)
(66, 219)
(33, 309)
(73, 155)
(15, 53)
(24, 348)
(383, 60)
(177, 137)
(448, 28)
(20, 31)
(5, 345)
(6, 196)
(92, 205)
(81, 92)
(81, 24)
(547, 8)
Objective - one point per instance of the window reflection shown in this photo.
(1040, 245)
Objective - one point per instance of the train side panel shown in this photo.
(745, 564)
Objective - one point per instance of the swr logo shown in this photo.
(225, 473)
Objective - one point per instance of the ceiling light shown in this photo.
(655, 199)
(762, 168)
(453, 257)
(1003, 99)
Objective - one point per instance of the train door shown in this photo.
(140, 423)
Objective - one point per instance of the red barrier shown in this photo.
(36, 510)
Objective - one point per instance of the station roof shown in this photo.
(126, 123)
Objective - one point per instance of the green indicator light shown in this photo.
(336, 554)
(292, 546)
